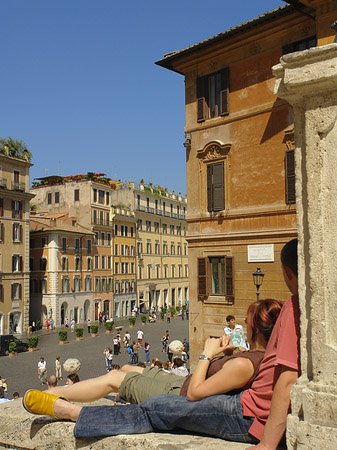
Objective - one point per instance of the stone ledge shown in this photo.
(20, 430)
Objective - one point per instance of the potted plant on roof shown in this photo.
(12, 349)
(79, 333)
(94, 330)
(32, 343)
(63, 336)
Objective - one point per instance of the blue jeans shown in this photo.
(147, 356)
(220, 416)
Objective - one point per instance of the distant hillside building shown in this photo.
(14, 244)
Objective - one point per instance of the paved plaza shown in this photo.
(21, 371)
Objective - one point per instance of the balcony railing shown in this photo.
(103, 222)
(159, 212)
(3, 182)
(16, 186)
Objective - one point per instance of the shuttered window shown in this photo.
(290, 176)
(212, 95)
(215, 187)
(215, 278)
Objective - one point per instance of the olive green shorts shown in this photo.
(137, 387)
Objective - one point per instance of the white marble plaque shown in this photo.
(261, 253)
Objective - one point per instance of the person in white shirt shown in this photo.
(42, 371)
(140, 336)
(235, 331)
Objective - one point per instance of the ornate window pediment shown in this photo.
(213, 151)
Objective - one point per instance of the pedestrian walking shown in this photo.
(42, 371)
(88, 325)
(115, 342)
(58, 368)
(66, 322)
(72, 325)
(109, 360)
(147, 352)
(126, 341)
(140, 336)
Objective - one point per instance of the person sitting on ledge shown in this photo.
(230, 373)
(257, 415)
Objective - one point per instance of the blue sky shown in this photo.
(80, 87)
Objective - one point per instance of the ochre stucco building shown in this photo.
(240, 160)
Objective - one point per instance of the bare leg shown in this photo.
(66, 410)
(128, 368)
(92, 389)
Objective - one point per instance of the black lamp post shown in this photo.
(258, 280)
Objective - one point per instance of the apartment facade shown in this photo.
(161, 246)
(124, 261)
(14, 243)
(61, 270)
(240, 159)
(89, 201)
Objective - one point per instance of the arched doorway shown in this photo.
(64, 312)
(86, 310)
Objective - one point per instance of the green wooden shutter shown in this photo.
(201, 113)
(290, 177)
(202, 278)
(229, 279)
(224, 92)
(218, 187)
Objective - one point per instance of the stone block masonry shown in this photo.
(20, 430)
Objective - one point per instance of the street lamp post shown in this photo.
(258, 280)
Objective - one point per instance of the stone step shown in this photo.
(20, 430)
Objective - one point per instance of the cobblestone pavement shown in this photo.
(21, 371)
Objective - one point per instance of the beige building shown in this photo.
(124, 261)
(14, 243)
(61, 268)
(88, 198)
(161, 247)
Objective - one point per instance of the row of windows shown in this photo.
(16, 207)
(16, 292)
(105, 239)
(124, 267)
(77, 245)
(16, 232)
(77, 284)
(124, 250)
(100, 217)
(156, 228)
(102, 197)
(56, 197)
(123, 230)
(165, 248)
(156, 271)
(125, 286)
(103, 284)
